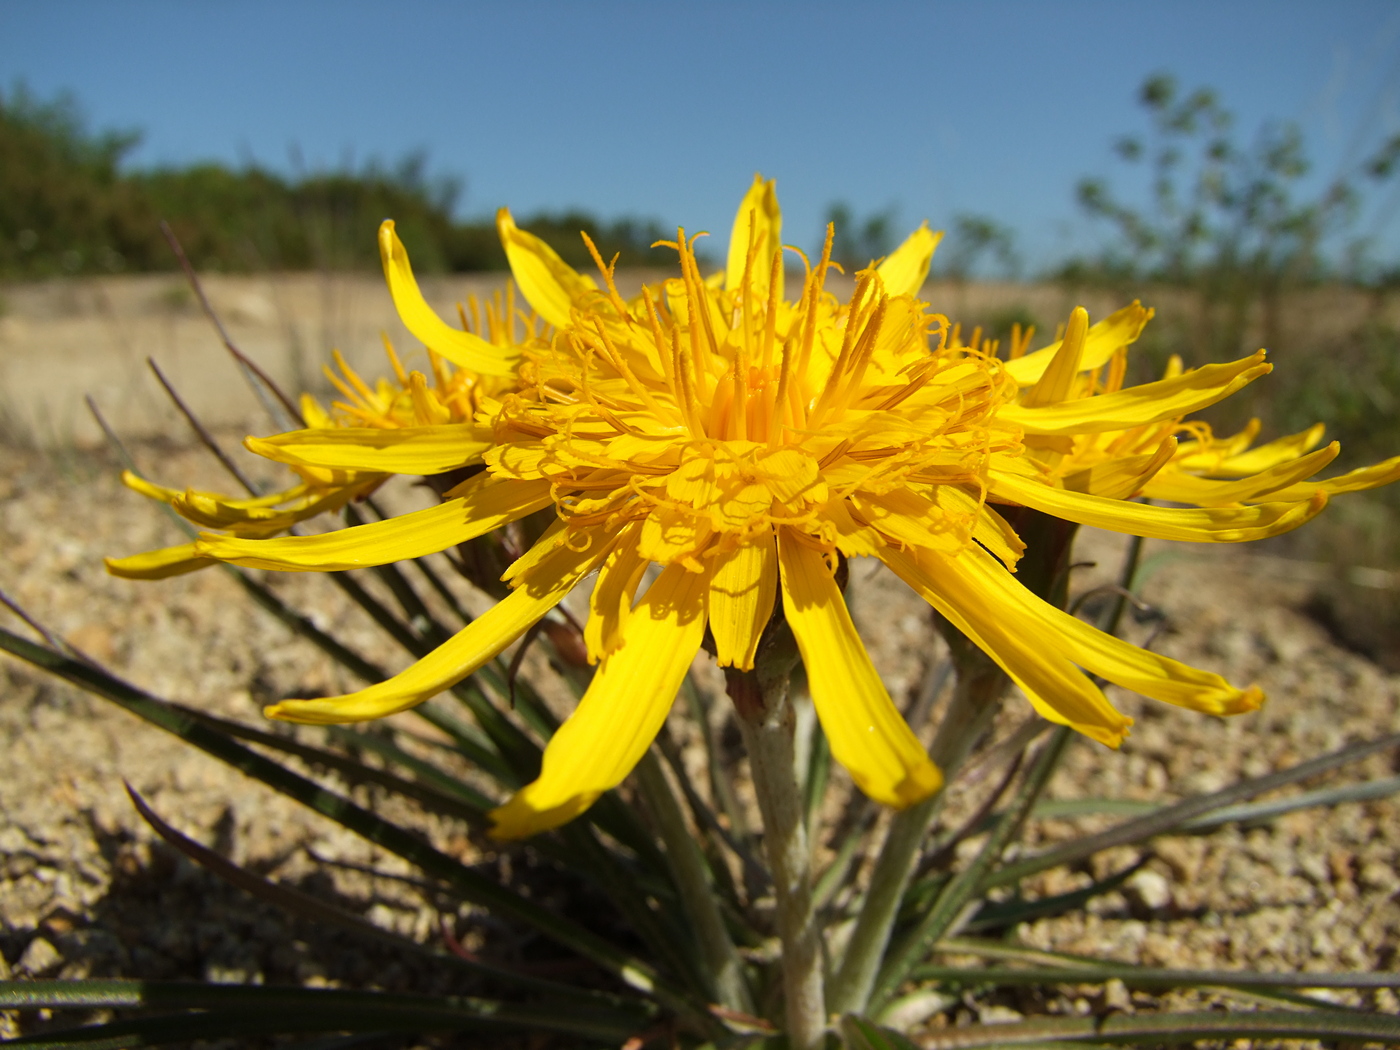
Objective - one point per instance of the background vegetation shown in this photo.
(68, 207)
(1230, 235)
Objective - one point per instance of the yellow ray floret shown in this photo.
(866, 731)
(1100, 343)
(904, 271)
(159, 564)
(1204, 525)
(1140, 405)
(481, 504)
(405, 450)
(549, 283)
(741, 601)
(459, 347)
(622, 711)
(467, 651)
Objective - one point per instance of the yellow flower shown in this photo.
(431, 426)
(744, 444)
(1174, 460)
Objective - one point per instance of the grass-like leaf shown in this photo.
(1172, 818)
(950, 904)
(244, 1010)
(996, 915)
(1153, 977)
(1154, 1029)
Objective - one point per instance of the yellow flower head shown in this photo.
(1172, 459)
(743, 444)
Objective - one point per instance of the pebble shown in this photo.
(39, 958)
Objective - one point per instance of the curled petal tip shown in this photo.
(1252, 699)
(923, 782)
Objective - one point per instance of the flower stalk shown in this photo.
(767, 723)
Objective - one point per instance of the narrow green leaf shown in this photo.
(1163, 1028)
(455, 805)
(915, 946)
(1104, 969)
(1153, 977)
(1171, 818)
(426, 772)
(363, 1014)
(860, 1034)
(995, 915)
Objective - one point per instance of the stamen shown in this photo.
(663, 346)
(848, 341)
(440, 374)
(394, 361)
(607, 272)
(770, 321)
(353, 377)
(620, 363)
(340, 384)
(810, 321)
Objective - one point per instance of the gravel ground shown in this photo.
(84, 889)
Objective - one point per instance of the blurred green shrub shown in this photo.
(1234, 244)
(68, 206)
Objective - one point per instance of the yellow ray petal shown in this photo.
(1357, 480)
(611, 601)
(483, 503)
(1103, 340)
(151, 490)
(409, 450)
(866, 731)
(1210, 492)
(1138, 405)
(759, 208)
(621, 712)
(1270, 454)
(212, 512)
(1121, 478)
(459, 347)
(1207, 525)
(1054, 386)
(463, 653)
(548, 283)
(905, 270)
(741, 601)
(159, 565)
(1150, 674)
(1056, 688)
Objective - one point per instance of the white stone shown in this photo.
(1150, 888)
(39, 957)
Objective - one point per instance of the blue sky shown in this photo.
(665, 109)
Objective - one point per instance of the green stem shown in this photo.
(697, 894)
(767, 723)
